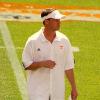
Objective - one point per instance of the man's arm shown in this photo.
(47, 63)
(70, 75)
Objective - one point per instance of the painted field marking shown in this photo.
(17, 68)
(75, 49)
(3, 47)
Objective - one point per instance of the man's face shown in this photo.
(53, 24)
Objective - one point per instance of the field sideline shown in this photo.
(82, 34)
(31, 12)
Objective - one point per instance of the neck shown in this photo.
(49, 34)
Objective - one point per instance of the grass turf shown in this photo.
(8, 86)
(84, 35)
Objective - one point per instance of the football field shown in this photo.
(83, 34)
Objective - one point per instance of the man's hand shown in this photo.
(74, 94)
(48, 64)
(70, 76)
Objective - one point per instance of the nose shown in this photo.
(58, 21)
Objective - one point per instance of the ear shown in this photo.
(46, 22)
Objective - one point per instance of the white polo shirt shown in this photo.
(45, 82)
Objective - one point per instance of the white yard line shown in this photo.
(3, 47)
(75, 49)
(17, 68)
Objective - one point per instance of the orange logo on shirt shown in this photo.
(61, 46)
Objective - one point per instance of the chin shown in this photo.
(57, 28)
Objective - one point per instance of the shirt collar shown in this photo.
(42, 37)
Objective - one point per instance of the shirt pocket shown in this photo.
(41, 54)
(38, 55)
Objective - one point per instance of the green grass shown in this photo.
(8, 86)
(83, 3)
(84, 35)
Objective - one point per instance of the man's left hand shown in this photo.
(74, 94)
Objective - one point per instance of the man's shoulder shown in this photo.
(34, 37)
(65, 40)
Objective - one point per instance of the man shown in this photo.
(47, 56)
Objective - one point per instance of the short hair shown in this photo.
(46, 12)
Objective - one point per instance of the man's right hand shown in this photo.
(48, 64)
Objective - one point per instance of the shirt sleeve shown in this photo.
(69, 58)
(27, 55)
